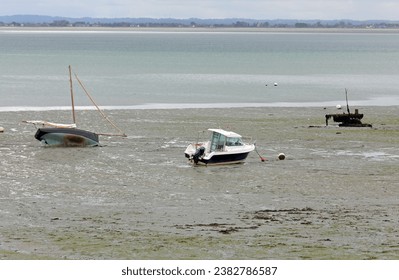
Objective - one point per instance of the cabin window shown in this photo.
(234, 141)
(217, 142)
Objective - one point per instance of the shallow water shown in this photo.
(135, 68)
(334, 197)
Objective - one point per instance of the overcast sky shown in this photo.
(256, 9)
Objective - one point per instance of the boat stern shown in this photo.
(195, 152)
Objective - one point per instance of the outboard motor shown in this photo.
(198, 154)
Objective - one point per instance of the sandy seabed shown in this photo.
(333, 197)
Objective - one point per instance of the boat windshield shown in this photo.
(234, 141)
(217, 141)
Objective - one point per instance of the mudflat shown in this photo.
(333, 197)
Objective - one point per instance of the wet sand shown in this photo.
(333, 197)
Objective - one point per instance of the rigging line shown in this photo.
(72, 97)
(98, 108)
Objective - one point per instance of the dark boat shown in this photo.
(348, 119)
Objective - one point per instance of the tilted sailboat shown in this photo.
(67, 135)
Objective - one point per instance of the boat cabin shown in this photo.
(221, 138)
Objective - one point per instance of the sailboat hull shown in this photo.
(67, 137)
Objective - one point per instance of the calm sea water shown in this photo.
(144, 68)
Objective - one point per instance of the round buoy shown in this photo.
(1, 129)
(281, 156)
(339, 107)
(275, 84)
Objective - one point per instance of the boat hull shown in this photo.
(221, 159)
(224, 147)
(67, 137)
(217, 158)
(225, 159)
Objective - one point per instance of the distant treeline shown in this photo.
(47, 21)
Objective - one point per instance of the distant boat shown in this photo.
(67, 135)
(348, 119)
(224, 147)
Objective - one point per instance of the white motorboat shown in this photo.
(223, 147)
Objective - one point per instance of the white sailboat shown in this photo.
(68, 135)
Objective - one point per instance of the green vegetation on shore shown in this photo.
(49, 21)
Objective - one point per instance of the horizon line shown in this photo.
(198, 18)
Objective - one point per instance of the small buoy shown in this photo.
(281, 156)
(1, 129)
(339, 107)
(275, 84)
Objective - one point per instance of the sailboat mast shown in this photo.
(347, 104)
(72, 99)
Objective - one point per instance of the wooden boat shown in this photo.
(348, 119)
(68, 135)
(224, 147)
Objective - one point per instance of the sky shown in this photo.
(254, 9)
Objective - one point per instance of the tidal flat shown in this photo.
(333, 197)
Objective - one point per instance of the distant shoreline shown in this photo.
(176, 106)
(201, 29)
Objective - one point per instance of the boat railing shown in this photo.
(246, 139)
